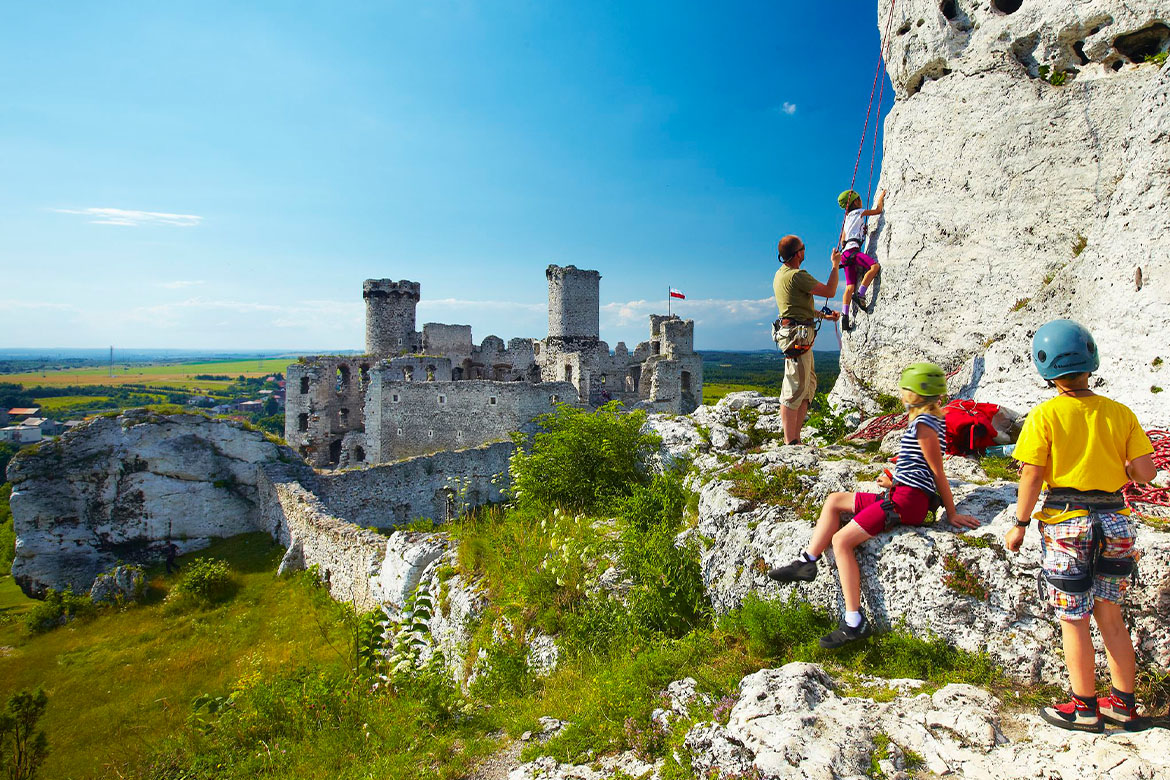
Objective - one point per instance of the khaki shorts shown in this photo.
(800, 381)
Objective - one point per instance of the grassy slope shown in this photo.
(120, 683)
(168, 375)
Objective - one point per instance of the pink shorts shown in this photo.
(856, 263)
(912, 504)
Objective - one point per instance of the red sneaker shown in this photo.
(1073, 716)
(1114, 710)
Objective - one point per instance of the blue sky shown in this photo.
(225, 175)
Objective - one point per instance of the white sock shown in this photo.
(807, 556)
(853, 619)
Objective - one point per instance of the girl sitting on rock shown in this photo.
(855, 263)
(918, 479)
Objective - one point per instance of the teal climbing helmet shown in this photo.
(926, 379)
(1064, 347)
(847, 197)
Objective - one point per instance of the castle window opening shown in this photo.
(656, 347)
(335, 451)
(492, 400)
(394, 398)
(686, 381)
(343, 416)
(304, 385)
(1007, 6)
(430, 434)
(568, 373)
(552, 400)
(456, 374)
(365, 374)
(442, 400)
(430, 373)
(629, 384)
(359, 454)
(407, 373)
(342, 378)
(602, 379)
(399, 431)
(303, 421)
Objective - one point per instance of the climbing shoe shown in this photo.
(846, 322)
(800, 569)
(846, 634)
(1074, 716)
(1115, 711)
(860, 301)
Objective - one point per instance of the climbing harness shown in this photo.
(1093, 502)
(1149, 494)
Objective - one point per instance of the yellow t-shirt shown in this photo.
(1082, 443)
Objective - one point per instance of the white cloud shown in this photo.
(132, 218)
(180, 284)
(455, 303)
(727, 311)
(787, 108)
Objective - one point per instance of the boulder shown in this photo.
(120, 488)
(123, 585)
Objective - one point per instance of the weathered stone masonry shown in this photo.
(344, 411)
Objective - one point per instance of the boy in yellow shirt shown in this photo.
(1083, 448)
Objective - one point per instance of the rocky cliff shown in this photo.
(1028, 160)
(119, 488)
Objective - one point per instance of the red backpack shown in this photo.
(969, 427)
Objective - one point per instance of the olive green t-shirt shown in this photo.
(793, 288)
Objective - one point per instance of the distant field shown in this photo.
(160, 375)
(62, 402)
(712, 392)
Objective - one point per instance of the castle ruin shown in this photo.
(416, 393)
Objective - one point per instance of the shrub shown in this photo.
(961, 579)
(7, 531)
(890, 404)
(780, 486)
(828, 420)
(581, 460)
(22, 747)
(57, 609)
(204, 581)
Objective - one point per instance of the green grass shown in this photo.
(62, 402)
(1000, 467)
(157, 375)
(13, 604)
(120, 683)
(713, 391)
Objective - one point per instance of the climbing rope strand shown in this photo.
(878, 427)
(1150, 494)
(883, 57)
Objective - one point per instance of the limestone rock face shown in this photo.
(1015, 200)
(122, 585)
(118, 488)
(792, 722)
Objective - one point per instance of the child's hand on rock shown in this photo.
(963, 521)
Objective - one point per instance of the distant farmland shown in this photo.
(157, 375)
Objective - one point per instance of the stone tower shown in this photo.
(390, 316)
(573, 302)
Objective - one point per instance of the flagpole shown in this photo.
(668, 300)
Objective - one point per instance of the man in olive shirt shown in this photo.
(794, 291)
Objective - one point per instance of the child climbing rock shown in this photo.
(854, 262)
(1084, 448)
(918, 479)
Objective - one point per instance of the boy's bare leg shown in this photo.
(829, 522)
(847, 297)
(845, 542)
(1078, 655)
(1118, 644)
(870, 274)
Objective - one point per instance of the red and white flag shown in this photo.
(676, 294)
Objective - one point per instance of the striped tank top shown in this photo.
(911, 468)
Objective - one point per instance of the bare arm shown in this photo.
(878, 207)
(829, 288)
(928, 440)
(1031, 481)
(1141, 469)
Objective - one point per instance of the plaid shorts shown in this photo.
(1067, 546)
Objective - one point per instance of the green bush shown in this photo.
(204, 581)
(890, 404)
(7, 531)
(22, 747)
(827, 419)
(57, 609)
(580, 460)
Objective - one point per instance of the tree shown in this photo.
(7, 450)
(22, 745)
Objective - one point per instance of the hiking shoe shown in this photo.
(800, 569)
(845, 324)
(1070, 716)
(1114, 711)
(844, 634)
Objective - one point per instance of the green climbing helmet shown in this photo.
(926, 379)
(847, 197)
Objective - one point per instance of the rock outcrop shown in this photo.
(122, 488)
(1028, 160)
(912, 576)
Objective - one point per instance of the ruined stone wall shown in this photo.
(447, 340)
(390, 316)
(573, 307)
(438, 487)
(417, 368)
(324, 400)
(408, 418)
